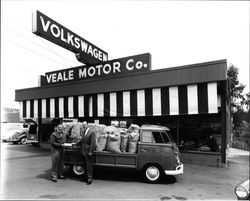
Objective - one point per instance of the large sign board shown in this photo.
(49, 29)
(127, 65)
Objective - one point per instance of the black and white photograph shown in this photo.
(125, 100)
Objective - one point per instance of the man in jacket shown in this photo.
(88, 145)
(57, 153)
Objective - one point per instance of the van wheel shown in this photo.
(78, 170)
(23, 140)
(152, 173)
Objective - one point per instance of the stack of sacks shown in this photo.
(109, 130)
(134, 128)
(67, 131)
(101, 137)
(102, 142)
(124, 141)
(133, 138)
(113, 144)
(113, 140)
(76, 132)
(98, 129)
(117, 140)
(67, 128)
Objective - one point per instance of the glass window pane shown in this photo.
(147, 136)
(165, 137)
(157, 137)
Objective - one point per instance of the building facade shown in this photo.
(192, 100)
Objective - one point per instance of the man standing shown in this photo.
(88, 147)
(57, 153)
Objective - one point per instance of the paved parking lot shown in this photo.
(25, 174)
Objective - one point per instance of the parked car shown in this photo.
(19, 136)
(242, 190)
(8, 129)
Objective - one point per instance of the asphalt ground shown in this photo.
(25, 174)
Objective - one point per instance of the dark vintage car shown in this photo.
(242, 190)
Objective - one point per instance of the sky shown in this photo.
(175, 33)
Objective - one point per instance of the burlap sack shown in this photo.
(132, 142)
(134, 128)
(124, 143)
(109, 130)
(119, 131)
(98, 129)
(76, 133)
(113, 144)
(67, 128)
(102, 142)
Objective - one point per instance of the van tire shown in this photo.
(152, 173)
(78, 170)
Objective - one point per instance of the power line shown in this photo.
(36, 43)
(52, 50)
(34, 52)
(47, 45)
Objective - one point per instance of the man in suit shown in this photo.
(57, 153)
(88, 145)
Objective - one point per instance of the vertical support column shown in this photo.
(224, 123)
(39, 130)
(178, 130)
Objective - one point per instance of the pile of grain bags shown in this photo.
(124, 142)
(119, 140)
(67, 127)
(108, 138)
(113, 143)
(77, 132)
(101, 136)
(133, 138)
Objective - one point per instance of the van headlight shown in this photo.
(178, 161)
(241, 192)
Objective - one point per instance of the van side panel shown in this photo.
(125, 160)
(161, 154)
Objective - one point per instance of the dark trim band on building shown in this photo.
(175, 100)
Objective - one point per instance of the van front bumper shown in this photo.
(178, 170)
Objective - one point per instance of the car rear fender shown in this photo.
(22, 135)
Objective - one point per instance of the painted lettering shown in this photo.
(70, 39)
(98, 67)
(62, 36)
(45, 26)
(59, 77)
(116, 67)
(48, 77)
(127, 64)
(91, 71)
(82, 73)
(71, 74)
(84, 46)
(77, 42)
(90, 51)
(106, 68)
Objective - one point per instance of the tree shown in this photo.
(238, 99)
(247, 102)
